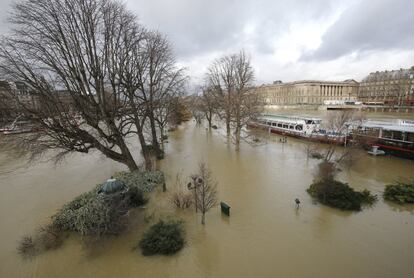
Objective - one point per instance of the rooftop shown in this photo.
(312, 82)
(392, 126)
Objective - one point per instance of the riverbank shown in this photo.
(265, 235)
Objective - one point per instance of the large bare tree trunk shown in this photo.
(228, 119)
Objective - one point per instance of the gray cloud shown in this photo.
(199, 26)
(367, 26)
(4, 13)
(355, 36)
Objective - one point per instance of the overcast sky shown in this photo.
(286, 39)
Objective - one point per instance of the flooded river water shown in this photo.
(265, 236)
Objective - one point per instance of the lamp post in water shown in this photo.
(197, 181)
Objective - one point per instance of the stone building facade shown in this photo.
(305, 92)
(394, 88)
(9, 106)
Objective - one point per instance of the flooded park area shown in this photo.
(265, 235)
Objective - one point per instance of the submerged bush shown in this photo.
(165, 238)
(401, 193)
(146, 181)
(65, 219)
(26, 246)
(315, 155)
(93, 213)
(340, 195)
(98, 214)
(136, 197)
(181, 199)
(46, 238)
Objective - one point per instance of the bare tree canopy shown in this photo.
(205, 105)
(205, 190)
(115, 73)
(339, 123)
(231, 80)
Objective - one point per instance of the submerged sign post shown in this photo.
(225, 208)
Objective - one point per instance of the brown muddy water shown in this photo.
(265, 236)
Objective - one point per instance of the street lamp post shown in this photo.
(197, 181)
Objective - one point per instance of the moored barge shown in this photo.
(395, 138)
(300, 127)
(392, 137)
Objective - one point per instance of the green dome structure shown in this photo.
(112, 186)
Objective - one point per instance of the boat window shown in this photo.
(273, 124)
(398, 135)
(291, 127)
(410, 137)
(387, 134)
(373, 132)
(308, 122)
(299, 127)
(279, 125)
(285, 126)
(269, 123)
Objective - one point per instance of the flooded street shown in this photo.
(265, 236)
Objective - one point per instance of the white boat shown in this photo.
(375, 151)
(302, 127)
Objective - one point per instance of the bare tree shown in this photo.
(160, 82)
(181, 198)
(246, 104)
(205, 190)
(127, 67)
(231, 81)
(163, 114)
(205, 105)
(220, 76)
(339, 125)
(153, 85)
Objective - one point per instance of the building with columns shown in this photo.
(312, 92)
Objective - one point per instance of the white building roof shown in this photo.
(392, 126)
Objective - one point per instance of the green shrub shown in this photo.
(65, 219)
(340, 195)
(165, 237)
(93, 214)
(367, 198)
(146, 181)
(102, 216)
(400, 192)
